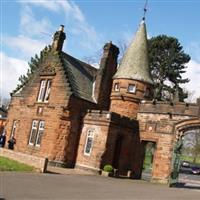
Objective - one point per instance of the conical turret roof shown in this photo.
(135, 63)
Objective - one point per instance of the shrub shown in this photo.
(108, 168)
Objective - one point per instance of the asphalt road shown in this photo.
(34, 186)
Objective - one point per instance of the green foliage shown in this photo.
(167, 64)
(33, 67)
(11, 165)
(108, 168)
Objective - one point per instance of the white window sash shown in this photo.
(39, 132)
(42, 90)
(13, 128)
(32, 129)
(132, 88)
(116, 87)
(48, 89)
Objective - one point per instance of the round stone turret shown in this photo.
(132, 81)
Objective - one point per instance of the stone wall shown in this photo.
(108, 128)
(37, 162)
(25, 108)
(157, 121)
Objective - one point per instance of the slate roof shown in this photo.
(135, 63)
(80, 75)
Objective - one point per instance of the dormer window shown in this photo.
(116, 87)
(45, 87)
(131, 88)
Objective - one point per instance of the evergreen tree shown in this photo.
(167, 64)
(23, 79)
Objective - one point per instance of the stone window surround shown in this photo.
(89, 138)
(133, 91)
(44, 90)
(14, 126)
(38, 128)
(117, 87)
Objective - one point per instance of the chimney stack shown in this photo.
(58, 39)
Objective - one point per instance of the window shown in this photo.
(89, 142)
(37, 130)
(13, 128)
(116, 87)
(131, 88)
(147, 92)
(45, 87)
(40, 133)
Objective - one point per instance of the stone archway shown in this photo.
(180, 130)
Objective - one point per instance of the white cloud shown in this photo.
(193, 73)
(77, 25)
(25, 45)
(32, 27)
(11, 69)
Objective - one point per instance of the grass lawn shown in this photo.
(12, 165)
(190, 159)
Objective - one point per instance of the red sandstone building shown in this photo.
(80, 116)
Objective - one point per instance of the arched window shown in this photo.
(89, 142)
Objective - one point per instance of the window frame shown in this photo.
(131, 91)
(90, 135)
(44, 90)
(38, 130)
(31, 133)
(14, 127)
(116, 87)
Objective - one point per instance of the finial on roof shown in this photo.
(145, 10)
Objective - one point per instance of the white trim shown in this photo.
(33, 128)
(116, 87)
(133, 89)
(93, 91)
(41, 94)
(14, 126)
(47, 91)
(40, 128)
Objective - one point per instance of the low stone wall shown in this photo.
(37, 162)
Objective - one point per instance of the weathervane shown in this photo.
(145, 9)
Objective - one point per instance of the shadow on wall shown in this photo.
(123, 152)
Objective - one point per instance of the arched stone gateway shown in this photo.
(181, 128)
(164, 123)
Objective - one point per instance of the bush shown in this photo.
(108, 168)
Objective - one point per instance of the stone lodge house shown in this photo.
(80, 116)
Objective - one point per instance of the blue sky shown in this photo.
(27, 26)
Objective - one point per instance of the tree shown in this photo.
(167, 64)
(192, 144)
(33, 66)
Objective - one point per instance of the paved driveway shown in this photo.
(33, 186)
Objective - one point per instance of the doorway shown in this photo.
(149, 148)
(117, 152)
